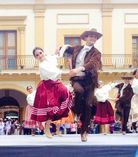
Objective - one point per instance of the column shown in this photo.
(22, 40)
(107, 32)
(39, 25)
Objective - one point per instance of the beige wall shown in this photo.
(40, 24)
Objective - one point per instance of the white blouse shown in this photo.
(48, 69)
(102, 93)
(30, 98)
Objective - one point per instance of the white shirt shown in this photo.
(135, 85)
(121, 91)
(80, 58)
(30, 98)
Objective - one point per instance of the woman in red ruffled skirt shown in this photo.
(52, 100)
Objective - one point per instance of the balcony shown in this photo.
(119, 62)
(18, 64)
(27, 63)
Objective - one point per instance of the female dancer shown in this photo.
(104, 111)
(52, 100)
(28, 123)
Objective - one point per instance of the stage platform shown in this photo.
(98, 145)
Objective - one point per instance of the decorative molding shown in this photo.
(131, 18)
(39, 8)
(12, 20)
(39, 1)
(73, 18)
(21, 29)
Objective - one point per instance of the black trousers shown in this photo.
(123, 116)
(84, 102)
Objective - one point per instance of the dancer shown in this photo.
(123, 101)
(104, 111)
(85, 61)
(52, 100)
(28, 123)
(133, 115)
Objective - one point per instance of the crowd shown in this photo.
(10, 127)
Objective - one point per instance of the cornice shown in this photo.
(42, 6)
(6, 76)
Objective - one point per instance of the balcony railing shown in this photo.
(12, 62)
(28, 62)
(119, 61)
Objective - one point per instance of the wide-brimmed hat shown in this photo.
(92, 31)
(127, 76)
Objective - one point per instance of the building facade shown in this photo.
(52, 23)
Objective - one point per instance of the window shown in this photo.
(72, 41)
(8, 49)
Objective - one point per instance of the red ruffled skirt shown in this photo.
(52, 101)
(104, 113)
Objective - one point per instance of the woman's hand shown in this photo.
(73, 72)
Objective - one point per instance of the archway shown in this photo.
(9, 107)
(12, 104)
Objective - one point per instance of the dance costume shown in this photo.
(104, 110)
(52, 100)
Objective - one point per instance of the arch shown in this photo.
(13, 87)
(8, 101)
(18, 93)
